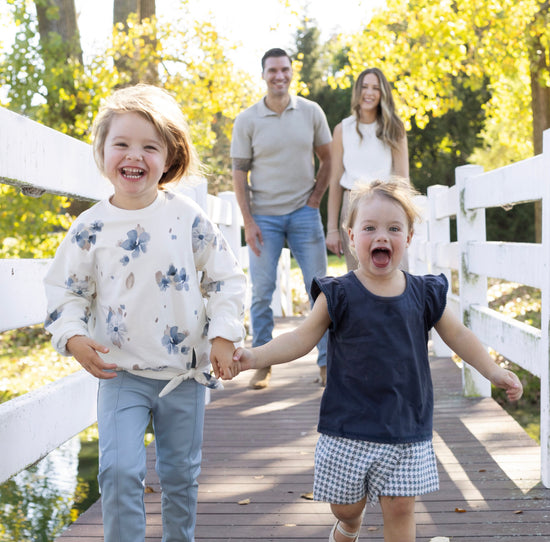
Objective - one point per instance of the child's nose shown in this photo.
(134, 155)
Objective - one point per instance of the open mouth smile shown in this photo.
(381, 257)
(132, 173)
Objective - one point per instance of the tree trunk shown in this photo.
(57, 18)
(138, 70)
(540, 99)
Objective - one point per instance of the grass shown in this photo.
(28, 362)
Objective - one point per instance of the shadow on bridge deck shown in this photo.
(258, 468)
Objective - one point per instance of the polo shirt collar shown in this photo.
(266, 112)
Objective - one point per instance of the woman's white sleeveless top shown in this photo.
(366, 159)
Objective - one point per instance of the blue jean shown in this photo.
(125, 406)
(303, 231)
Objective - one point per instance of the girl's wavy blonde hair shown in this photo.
(164, 113)
(397, 189)
(390, 127)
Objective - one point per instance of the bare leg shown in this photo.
(399, 521)
(350, 517)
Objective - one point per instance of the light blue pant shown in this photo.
(125, 405)
(303, 231)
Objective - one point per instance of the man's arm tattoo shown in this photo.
(242, 164)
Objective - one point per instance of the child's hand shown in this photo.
(508, 381)
(221, 357)
(85, 351)
(243, 359)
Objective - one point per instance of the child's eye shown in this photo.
(151, 148)
(369, 228)
(395, 228)
(120, 144)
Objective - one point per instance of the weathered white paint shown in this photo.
(475, 259)
(36, 423)
(516, 183)
(33, 156)
(514, 262)
(32, 425)
(544, 360)
(515, 340)
(22, 293)
(470, 226)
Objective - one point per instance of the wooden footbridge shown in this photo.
(257, 470)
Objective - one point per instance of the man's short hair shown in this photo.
(275, 52)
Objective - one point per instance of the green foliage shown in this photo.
(447, 141)
(29, 227)
(46, 80)
(27, 362)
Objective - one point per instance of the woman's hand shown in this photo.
(334, 242)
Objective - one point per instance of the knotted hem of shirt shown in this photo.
(202, 377)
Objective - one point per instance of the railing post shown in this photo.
(438, 233)
(232, 233)
(545, 319)
(418, 260)
(470, 225)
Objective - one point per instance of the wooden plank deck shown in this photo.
(259, 445)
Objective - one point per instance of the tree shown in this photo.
(190, 60)
(131, 62)
(424, 46)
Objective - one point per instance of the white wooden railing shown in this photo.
(475, 260)
(37, 159)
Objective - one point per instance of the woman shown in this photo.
(370, 144)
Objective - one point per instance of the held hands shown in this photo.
(242, 359)
(85, 351)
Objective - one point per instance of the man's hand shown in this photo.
(85, 351)
(253, 236)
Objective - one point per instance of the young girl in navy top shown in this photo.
(377, 408)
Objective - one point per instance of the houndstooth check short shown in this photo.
(346, 470)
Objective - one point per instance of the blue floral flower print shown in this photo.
(87, 314)
(125, 260)
(180, 279)
(77, 286)
(162, 280)
(202, 234)
(136, 242)
(52, 317)
(208, 285)
(96, 226)
(173, 338)
(85, 236)
(116, 328)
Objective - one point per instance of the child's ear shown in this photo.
(351, 237)
(409, 237)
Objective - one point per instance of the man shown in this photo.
(275, 141)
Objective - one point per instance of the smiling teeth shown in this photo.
(133, 173)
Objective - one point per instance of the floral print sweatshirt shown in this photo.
(154, 285)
